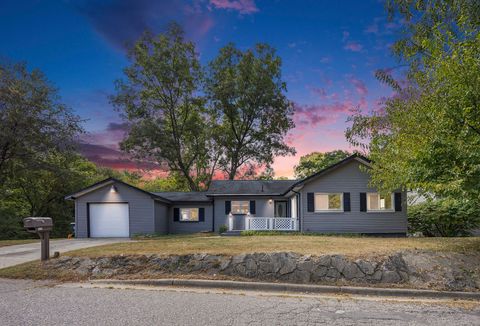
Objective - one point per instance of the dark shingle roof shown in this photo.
(249, 187)
(178, 196)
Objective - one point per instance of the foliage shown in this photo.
(297, 233)
(41, 192)
(445, 217)
(173, 182)
(33, 120)
(38, 163)
(159, 98)
(247, 93)
(312, 163)
(223, 228)
(427, 136)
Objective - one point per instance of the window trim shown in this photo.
(390, 210)
(188, 221)
(340, 210)
(239, 201)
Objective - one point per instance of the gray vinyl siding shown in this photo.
(161, 218)
(191, 227)
(262, 209)
(349, 178)
(141, 208)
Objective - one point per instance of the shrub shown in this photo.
(444, 217)
(222, 229)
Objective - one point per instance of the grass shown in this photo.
(5, 243)
(354, 247)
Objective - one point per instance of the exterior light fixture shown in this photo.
(113, 189)
(270, 201)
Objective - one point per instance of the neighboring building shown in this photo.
(334, 200)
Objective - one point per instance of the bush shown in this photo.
(249, 233)
(444, 217)
(222, 229)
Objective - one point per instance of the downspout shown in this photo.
(213, 216)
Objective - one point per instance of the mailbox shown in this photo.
(42, 226)
(37, 224)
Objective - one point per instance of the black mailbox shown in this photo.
(42, 226)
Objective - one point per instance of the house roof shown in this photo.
(354, 157)
(109, 181)
(249, 187)
(228, 187)
(179, 196)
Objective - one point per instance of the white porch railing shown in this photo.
(271, 223)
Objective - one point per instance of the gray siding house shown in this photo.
(337, 199)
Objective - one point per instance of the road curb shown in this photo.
(298, 288)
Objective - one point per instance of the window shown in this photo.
(378, 202)
(240, 207)
(329, 202)
(189, 214)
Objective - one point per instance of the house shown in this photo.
(337, 199)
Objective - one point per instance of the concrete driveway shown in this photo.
(18, 254)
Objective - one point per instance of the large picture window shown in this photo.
(240, 207)
(377, 202)
(328, 202)
(189, 214)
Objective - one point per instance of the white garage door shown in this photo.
(109, 220)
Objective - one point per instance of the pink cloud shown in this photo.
(242, 6)
(320, 114)
(353, 46)
(360, 86)
(323, 94)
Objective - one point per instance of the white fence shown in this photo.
(271, 223)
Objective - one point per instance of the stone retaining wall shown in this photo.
(420, 269)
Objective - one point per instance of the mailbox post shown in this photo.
(42, 226)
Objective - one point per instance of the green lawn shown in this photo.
(315, 245)
(4, 243)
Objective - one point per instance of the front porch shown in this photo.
(259, 223)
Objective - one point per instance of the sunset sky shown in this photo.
(330, 51)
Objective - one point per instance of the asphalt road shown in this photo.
(31, 303)
(18, 254)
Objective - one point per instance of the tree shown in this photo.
(34, 121)
(247, 94)
(41, 192)
(316, 161)
(173, 182)
(428, 135)
(445, 217)
(160, 101)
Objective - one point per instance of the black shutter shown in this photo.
(252, 207)
(363, 202)
(228, 207)
(201, 214)
(346, 202)
(176, 214)
(398, 201)
(310, 202)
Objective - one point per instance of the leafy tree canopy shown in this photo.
(247, 93)
(427, 137)
(159, 98)
(316, 161)
(33, 120)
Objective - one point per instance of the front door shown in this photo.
(281, 208)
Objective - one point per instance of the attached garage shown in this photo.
(114, 209)
(109, 220)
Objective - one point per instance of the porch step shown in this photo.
(231, 233)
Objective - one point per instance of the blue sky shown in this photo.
(330, 51)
